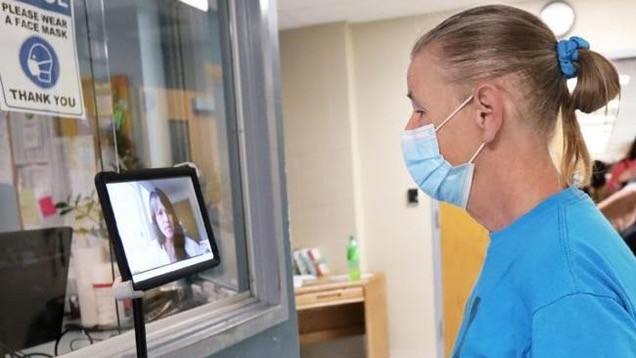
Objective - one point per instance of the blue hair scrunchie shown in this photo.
(568, 52)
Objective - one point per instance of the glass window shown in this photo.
(167, 83)
(155, 76)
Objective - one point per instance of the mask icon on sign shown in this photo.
(40, 63)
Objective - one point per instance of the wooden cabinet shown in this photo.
(332, 308)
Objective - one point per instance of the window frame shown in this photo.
(255, 126)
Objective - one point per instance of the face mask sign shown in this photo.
(432, 173)
(40, 63)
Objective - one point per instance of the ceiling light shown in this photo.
(623, 79)
(559, 16)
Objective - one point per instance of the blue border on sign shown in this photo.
(60, 6)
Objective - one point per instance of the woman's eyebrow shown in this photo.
(416, 102)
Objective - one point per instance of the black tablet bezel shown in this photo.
(103, 178)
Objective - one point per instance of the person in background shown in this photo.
(596, 189)
(487, 86)
(629, 235)
(619, 208)
(172, 244)
(624, 171)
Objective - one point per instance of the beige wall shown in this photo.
(398, 238)
(318, 146)
(344, 90)
(334, 189)
(608, 25)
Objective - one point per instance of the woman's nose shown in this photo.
(414, 122)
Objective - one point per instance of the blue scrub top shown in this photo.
(557, 282)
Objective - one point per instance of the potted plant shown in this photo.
(88, 217)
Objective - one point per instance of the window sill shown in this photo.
(199, 332)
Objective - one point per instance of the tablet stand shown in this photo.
(125, 291)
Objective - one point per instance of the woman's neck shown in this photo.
(169, 241)
(505, 190)
(168, 246)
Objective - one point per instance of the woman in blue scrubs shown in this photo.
(488, 89)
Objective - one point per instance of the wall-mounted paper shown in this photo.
(29, 208)
(47, 207)
(31, 137)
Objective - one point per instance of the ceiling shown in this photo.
(299, 13)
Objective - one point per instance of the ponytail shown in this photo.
(597, 84)
(575, 161)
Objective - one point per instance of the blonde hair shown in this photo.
(489, 42)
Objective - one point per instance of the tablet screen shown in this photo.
(161, 226)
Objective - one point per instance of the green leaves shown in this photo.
(61, 205)
(89, 207)
(88, 217)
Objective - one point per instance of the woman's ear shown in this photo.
(490, 110)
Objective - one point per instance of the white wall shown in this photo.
(317, 120)
(329, 109)
(371, 60)
(398, 238)
(608, 25)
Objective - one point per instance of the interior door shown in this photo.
(463, 248)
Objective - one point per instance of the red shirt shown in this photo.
(616, 182)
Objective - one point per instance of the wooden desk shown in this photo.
(329, 309)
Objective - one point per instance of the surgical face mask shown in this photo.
(432, 173)
(34, 67)
(40, 63)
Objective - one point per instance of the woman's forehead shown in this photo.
(425, 62)
(423, 72)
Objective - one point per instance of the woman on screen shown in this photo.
(174, 244)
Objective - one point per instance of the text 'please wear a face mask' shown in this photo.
(432, 173)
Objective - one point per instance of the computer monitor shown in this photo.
(158, 223)
(33, 275)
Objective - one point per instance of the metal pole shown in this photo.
(140, 328)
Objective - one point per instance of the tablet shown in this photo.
(158, 223)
